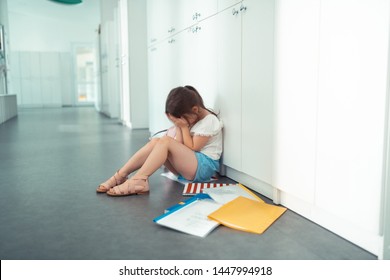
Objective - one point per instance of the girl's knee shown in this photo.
(160, 141)
(165, 139)
(154, 141)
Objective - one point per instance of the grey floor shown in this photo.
(51, 161)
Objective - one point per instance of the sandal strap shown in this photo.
(118, 181)
(131, 187)
(113, 181)
(140, 177)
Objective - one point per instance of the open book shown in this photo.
(191, 216)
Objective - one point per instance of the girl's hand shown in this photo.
(195, 143)
(180, 122)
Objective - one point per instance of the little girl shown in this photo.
(192, 153)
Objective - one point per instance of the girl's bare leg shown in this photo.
(179, 138)
(168, 165)
(138, 159)
(131, 165)
(181, 158)
(166, 150)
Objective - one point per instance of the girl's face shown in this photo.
(188, 118)
(191, 118)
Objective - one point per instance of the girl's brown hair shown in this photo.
(181, 100)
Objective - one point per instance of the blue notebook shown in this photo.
(187, 201)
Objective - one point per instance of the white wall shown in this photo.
(138, 64)
(36, 33)
(331, 77)
(386, 167)
(38, 25)
(46, 29)
(123, 68)
(8, 106)
(3, 12)
(109, 96)
(4, 22)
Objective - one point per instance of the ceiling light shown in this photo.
(68, 1)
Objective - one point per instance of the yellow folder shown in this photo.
(247, 214)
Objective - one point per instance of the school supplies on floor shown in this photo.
(247, 214)
(232, 205)
(191, 216)
(224, 194)
(179, 179)
(195, 188)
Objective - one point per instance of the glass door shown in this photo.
(85, 74)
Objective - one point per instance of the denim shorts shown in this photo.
(207, 167)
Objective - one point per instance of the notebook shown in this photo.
(195, 188)
(191, 217)
(187, 201)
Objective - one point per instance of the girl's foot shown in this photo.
(136, 185)
(110, 183)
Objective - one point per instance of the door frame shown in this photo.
(385, 221)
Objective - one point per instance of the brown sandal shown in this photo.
(136, 185)
(110, 183)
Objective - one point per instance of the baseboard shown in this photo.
(248, 181)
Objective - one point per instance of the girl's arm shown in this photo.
(195, 143)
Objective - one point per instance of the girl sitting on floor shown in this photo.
(191, 149)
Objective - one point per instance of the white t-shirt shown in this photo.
(210, 126)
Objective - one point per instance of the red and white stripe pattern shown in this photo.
(195, 188)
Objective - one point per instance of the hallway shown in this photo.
(51, 161)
